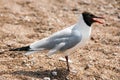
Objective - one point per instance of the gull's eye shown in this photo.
(91, 15)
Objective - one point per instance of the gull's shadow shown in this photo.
(61, 73)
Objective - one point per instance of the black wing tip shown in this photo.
(26, 48)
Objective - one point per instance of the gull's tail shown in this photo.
(26, 48)
(34, 47)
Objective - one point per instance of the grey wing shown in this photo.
(71, 42)
(68, 40)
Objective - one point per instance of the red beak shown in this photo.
(99, 20)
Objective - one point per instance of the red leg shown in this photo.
(68, 68)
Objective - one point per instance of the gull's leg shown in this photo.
(66, 57)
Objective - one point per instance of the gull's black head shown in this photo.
(90, 18)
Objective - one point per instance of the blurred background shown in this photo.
(25, 21)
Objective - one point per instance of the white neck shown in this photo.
(83, 28)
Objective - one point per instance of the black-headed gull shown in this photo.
(65, 40)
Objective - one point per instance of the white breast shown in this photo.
(84, 29)
(85, 35)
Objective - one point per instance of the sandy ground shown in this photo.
(25, 21)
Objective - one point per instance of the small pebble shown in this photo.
(65, 8)
(86, 67)
(63, 59)
(86, 1)
(51, 63)
(1, 15)
(1, 51)
(46, 78)
(115, 54)
(54, 73)
(74, 71)
(119, 17)
(66, 78)
(74, 9)
(26, 18)
(28, 65)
